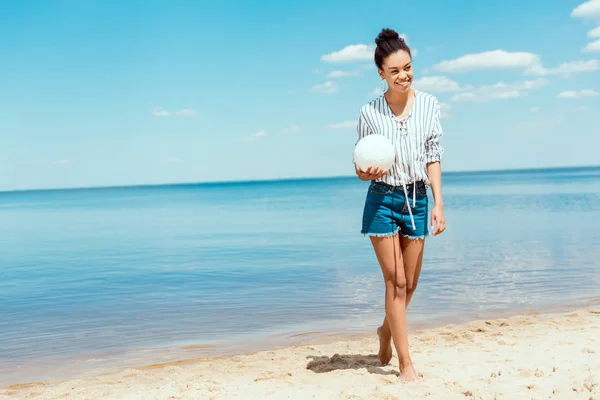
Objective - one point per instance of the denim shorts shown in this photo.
(386, 210)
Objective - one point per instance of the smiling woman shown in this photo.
(396, 202)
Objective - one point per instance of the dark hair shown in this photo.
(388, 42)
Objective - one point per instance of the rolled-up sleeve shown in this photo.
(433, 147)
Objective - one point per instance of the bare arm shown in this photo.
(434, 171)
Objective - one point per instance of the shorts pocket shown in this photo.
(379, 188)
(421, 189)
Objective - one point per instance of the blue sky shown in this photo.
(99, 93)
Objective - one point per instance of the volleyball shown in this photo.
(374, 151)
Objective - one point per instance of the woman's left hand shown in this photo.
(437, 218)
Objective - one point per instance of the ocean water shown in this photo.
(97, 278)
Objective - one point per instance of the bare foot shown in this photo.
(385, 348)
(408, 373)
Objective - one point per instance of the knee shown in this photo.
(397, 286)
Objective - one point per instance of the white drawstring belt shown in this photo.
(404, 132)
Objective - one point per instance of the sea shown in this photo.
(100, 278)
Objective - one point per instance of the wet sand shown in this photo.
(526, 356)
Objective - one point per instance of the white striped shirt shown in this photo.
(416, 137)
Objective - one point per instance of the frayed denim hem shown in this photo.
(421, 237)
(382, 235)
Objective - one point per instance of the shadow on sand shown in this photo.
(322, 364)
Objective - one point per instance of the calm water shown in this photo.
(97, 277)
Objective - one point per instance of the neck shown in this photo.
(394, 97)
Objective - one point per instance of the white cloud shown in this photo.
(325, 88)
(376, 92)
(350, 53)
(186, 112)
(445, 110)
(594, 33)
(582, 108)
(482, 97)
(343, 125)
(588, 10)
(60, 162)
(438, 84)
(357, 53)
(488, 60)
(572, 94)
(593, 47)
(534, 84)
(499, 91)
(174, 160)
(568, 68)
(291, 129)
(534, 109)
(341, 74)
(254, 136)
(157, 112)
(501, 59)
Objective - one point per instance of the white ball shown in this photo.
(374, 151)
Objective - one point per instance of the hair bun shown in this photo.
(386, 35)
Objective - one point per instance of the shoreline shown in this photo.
(144, 185)
(84, 366)
(336, 349)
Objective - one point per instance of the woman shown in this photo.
(396, 205)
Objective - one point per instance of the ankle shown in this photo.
(406, 363)
(384, 334)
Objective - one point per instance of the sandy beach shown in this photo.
(521, 357)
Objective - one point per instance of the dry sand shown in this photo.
(522, 357)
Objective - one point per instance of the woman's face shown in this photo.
(397, 71)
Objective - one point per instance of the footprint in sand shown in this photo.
(525, 373)
(588, 350)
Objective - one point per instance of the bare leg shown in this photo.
(387, 250)
(385, 344)
(412, 255)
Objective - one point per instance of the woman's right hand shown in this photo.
(370, 174)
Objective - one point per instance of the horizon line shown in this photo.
(308, 178)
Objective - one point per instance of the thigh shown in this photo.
(412, 256)
(389, 256)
